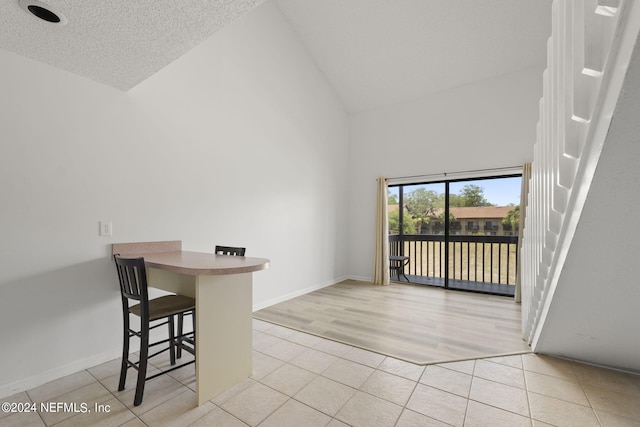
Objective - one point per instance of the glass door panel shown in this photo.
(482, 251)
(421, 237)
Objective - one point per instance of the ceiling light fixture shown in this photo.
(42, 11)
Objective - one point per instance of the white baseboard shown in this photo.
(53, 374)
(282, 298)
(361, 278)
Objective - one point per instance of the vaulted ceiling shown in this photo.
(373, 52)
(116, 42)
(381, 52)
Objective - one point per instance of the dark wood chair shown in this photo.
(133, 287)
(230, 250)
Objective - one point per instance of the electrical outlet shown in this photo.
(106, 228)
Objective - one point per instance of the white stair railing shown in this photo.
(587, 56)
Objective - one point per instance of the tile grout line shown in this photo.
(526, 388)
(32, 401)
(466, 409)
(595, 414)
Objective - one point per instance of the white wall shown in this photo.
(488, 124)
(239, 142)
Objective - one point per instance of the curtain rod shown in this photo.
(468, 174)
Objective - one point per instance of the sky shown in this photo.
(500, 192)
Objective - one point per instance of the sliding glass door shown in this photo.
(458, 234)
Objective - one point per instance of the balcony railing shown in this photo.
(475, 259)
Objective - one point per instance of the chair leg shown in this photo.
(142, 365)
(181, 331)
(172, 341)
(125, 355)
(179, 340)
(193, 328)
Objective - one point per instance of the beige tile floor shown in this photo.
(302, 380)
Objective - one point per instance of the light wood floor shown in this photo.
(418, 324)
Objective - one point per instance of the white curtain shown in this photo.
(524, 197)
(381, 255)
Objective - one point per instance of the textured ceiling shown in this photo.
(373, 52)
(116, 42)
(381, 52)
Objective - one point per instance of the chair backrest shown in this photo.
(133, 278)
(230, 250)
